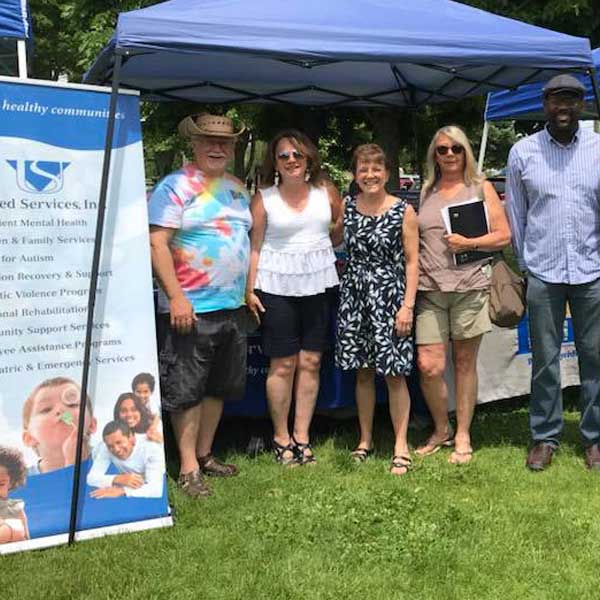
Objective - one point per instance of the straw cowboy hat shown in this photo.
(209, 125)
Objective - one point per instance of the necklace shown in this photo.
(371, 210)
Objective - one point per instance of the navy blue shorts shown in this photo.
(294, 323)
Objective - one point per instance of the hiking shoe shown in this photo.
(210, 465)
(193, 485)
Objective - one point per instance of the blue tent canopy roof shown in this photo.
(525, 103)
(353, 53)
(14, 19)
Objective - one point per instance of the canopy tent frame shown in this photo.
(111, 66)
(22, 58)
(17, 54)
(403, 86)
(15, 27)
(94, 276)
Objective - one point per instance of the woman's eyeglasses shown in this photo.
(286, 155)
(455, 148)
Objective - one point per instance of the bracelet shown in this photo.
(409, 307)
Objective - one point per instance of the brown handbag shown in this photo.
(507, 294)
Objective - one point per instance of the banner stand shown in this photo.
(77, 314)
(92, 295)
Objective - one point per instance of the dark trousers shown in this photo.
(546, 306)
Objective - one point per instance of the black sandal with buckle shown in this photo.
(401, 461)
(280, 453)
(360, 455)
(303, 458)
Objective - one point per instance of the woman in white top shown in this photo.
(292, 267)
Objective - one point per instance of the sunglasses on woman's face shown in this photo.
(286, 155)
(455, 148)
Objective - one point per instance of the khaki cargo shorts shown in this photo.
(443, 316)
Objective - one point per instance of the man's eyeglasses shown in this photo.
(286, 155)
(455, 149)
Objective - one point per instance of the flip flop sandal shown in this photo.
(401, 461)
(464, 453)
(360, 455)
(435, 446)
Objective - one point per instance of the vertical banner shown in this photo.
(52, 139)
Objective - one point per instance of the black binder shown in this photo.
(470, 221)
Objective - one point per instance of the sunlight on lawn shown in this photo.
(490, 529)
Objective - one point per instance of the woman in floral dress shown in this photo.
(377, 298)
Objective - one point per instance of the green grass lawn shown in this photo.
(336, 530)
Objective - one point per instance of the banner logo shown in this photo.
(39, 176)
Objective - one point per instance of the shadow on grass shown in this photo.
(498, 424)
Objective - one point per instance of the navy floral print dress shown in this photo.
(371, 292)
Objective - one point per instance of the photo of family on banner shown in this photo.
(81, 440)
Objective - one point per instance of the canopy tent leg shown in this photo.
(483, 145)
(110, 129)
(416, 147)
(22, 58)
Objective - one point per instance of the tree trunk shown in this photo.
(239, 167)
(386, 133)
(163, 162)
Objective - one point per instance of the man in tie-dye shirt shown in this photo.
(199, 223)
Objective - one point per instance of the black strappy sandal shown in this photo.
(303, 458)
(280, 451)
(401, 461)
(360, 455)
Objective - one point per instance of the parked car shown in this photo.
(499, 183)
(409, 181)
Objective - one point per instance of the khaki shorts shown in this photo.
(452, 315)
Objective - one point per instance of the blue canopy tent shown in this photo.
(15, 32)
(359, 53)
(356, 53)
(379, 53)
(525, 103)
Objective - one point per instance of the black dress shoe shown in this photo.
(540, 456)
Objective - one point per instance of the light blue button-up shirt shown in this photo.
(553, 204)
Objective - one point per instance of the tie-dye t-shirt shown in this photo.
(211, 247)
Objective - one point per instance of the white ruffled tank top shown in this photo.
(296, 258)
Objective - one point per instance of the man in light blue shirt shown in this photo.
(140, 464)
(553, 202)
